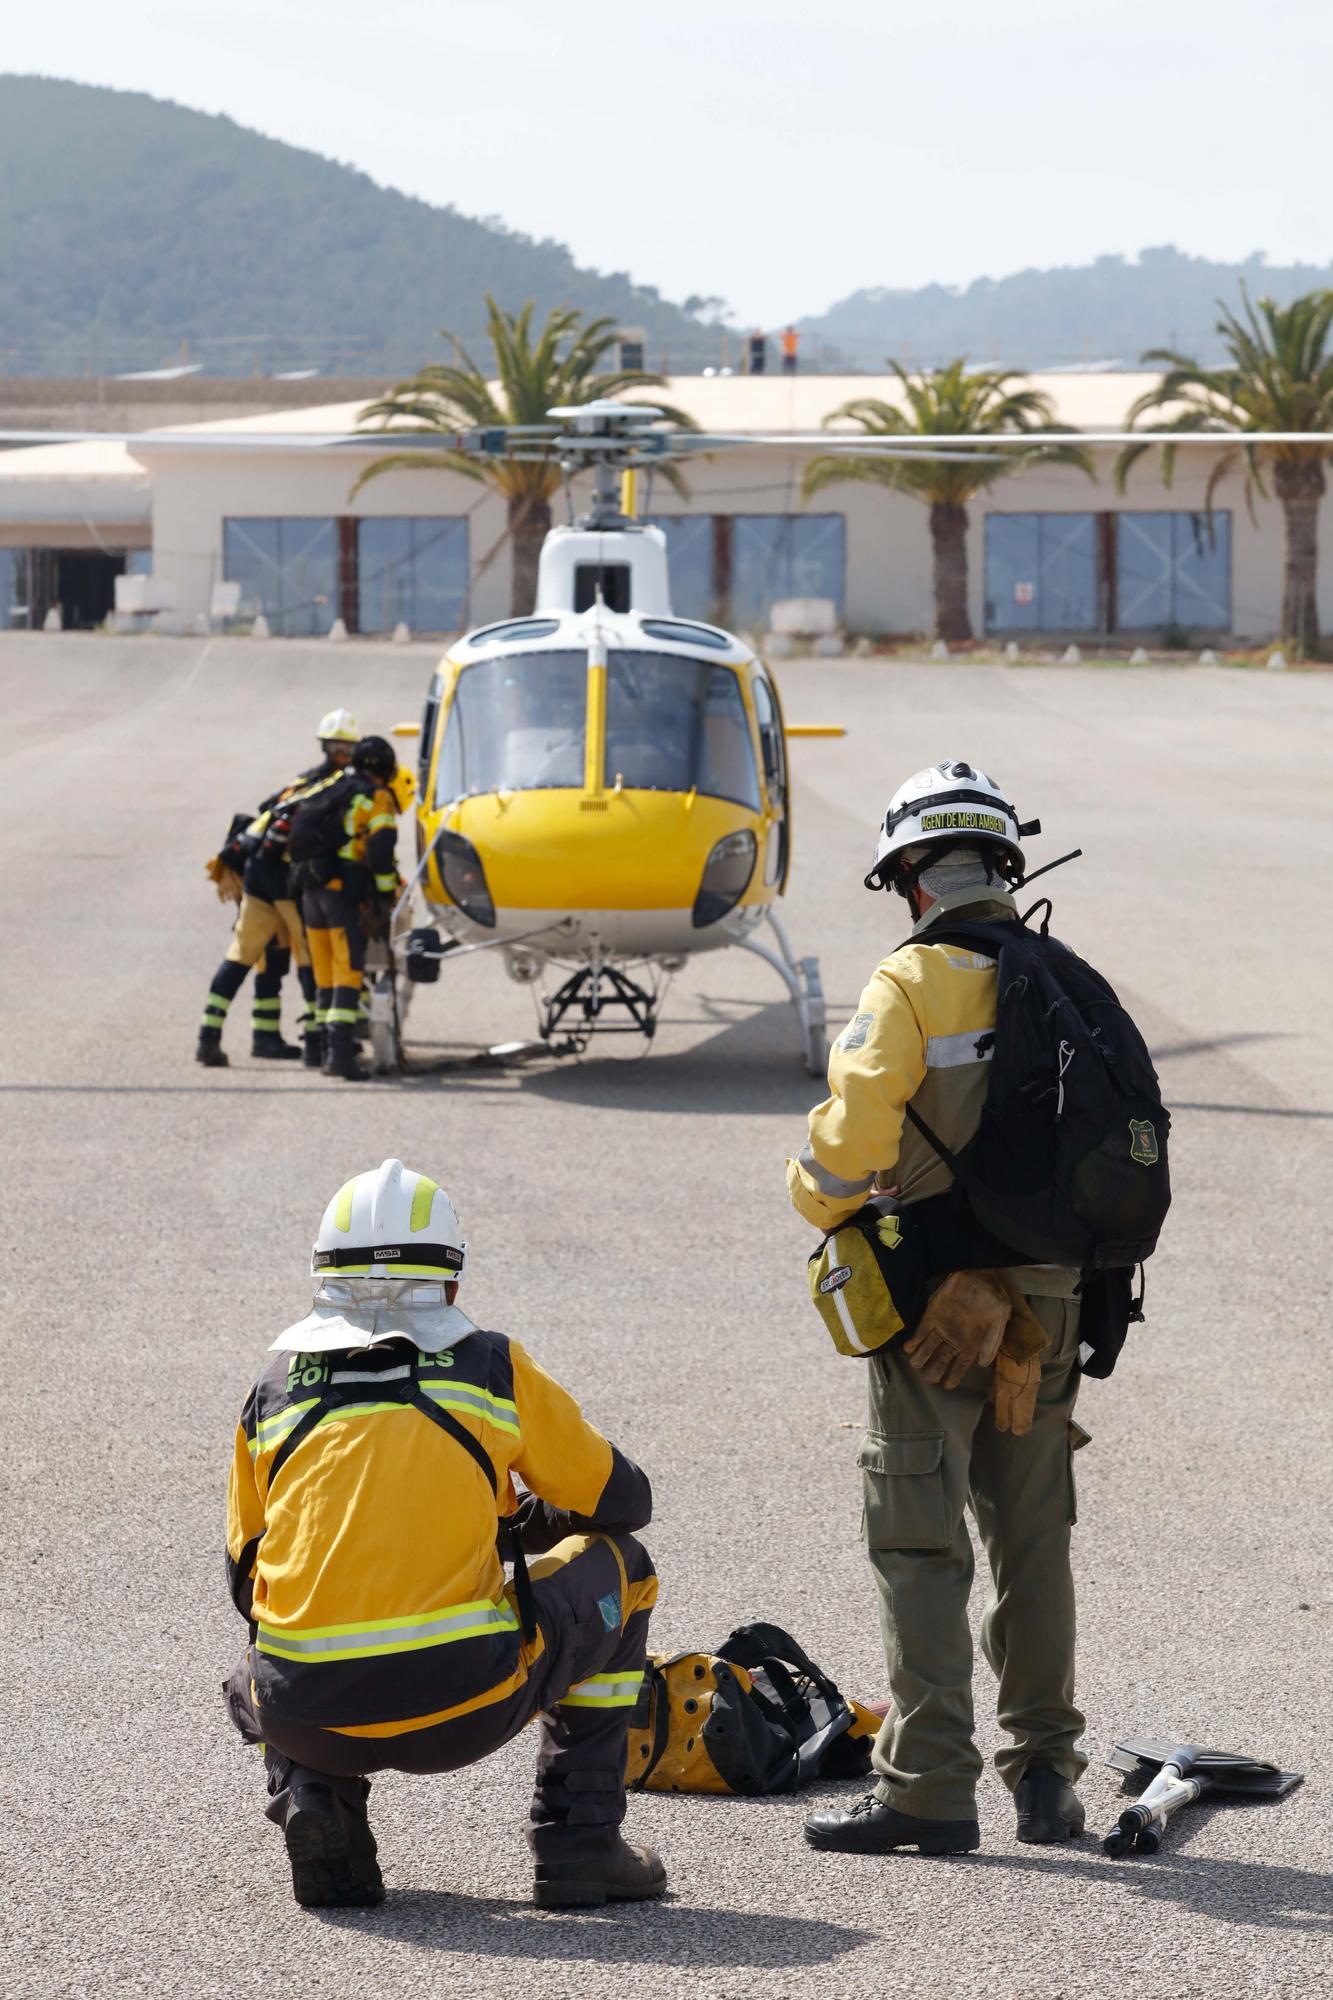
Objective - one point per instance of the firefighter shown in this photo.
(268, 932)
(373, 1471)
(958, 1414)
(344, 842)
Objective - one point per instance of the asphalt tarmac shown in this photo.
(627, 1218)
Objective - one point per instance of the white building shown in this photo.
(1050, 552)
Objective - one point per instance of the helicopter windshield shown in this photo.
(675, 724)
(517, 724)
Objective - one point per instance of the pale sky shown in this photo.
(779, 155)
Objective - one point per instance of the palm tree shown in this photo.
(534, 372)
(1279, 377)
(954, 401)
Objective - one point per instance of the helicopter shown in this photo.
(603, 787)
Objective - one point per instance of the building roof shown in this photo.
(70, 482)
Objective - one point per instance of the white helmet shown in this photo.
(950, 805)
(388, 1245)
(339, 726)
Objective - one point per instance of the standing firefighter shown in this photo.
(343, 842)
(268, 933)
(373, 1473)
(973, 1403)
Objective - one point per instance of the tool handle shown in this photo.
(1142, 1825)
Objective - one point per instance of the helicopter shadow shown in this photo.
(751, 1066)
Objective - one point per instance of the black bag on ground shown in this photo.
(1069, 1162)
(756, 1716)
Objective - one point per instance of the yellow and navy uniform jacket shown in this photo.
(370, 836)
(365, 1556)
(923, 1033)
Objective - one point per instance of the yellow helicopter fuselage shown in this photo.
(602, 784)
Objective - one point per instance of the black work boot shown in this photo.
(623, 1874)
(340, 1057)
(332, 1851)
(1048, 1806)
(871, 1827)
(268, 1046)
(313, 1053)
(210, 1051)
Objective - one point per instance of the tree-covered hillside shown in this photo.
(1106, 311)
(128, 226)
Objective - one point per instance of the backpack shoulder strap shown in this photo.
(523, 1591)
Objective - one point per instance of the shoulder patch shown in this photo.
(854, 1034)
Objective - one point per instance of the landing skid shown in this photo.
(801, 977)
(589, 992)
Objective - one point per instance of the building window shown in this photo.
(731, 569)
(1041, 573)
(1125, 572)
(1173, 569)
(13, 589)
(412, 569)
(287, 569)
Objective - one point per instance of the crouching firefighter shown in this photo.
(371, 1500)
(342, 845)
(268, 936)
(972, 1386)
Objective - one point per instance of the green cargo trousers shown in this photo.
(929, 1452)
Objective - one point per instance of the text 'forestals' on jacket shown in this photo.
(366, 1555)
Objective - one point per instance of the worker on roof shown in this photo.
(373, 1472)
(251, 868)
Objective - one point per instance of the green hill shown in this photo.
(1106, 311)
(129, 226)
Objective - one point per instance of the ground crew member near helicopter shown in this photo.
(954, 1415)
(268, 932)
(355, 877)
(374, 1466)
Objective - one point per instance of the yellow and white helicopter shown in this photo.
(603, 787)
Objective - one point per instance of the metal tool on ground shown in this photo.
(1178, 1774)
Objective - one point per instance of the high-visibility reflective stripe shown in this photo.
(394, 1270)
(844, 1311)
(604, 1691)
(386, 882)
(357, 1410)
(389, 1635)
(371, 1374)
(954, 1051)
(423, 1198)
(828, 1183)
(349, 1014)
(380, 821)
(477, 1402)
(215, 1009)
(274, 1429)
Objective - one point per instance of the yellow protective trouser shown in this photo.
(260, 924)
(928, 1454)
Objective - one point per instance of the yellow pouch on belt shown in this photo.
(866, 1280)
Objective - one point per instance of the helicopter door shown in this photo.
(773, 749)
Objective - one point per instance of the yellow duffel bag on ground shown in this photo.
(756, 1716)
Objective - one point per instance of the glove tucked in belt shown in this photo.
(980, 1319)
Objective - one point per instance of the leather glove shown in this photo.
(961, 1327)
(1018, 1365)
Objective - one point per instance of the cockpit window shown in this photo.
(674, 724)
(517, 724)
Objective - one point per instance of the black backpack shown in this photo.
(1069, 1162)
(316, 827)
